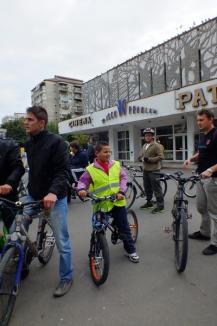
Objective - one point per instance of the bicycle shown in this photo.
(132, 186)
(180, 217)
(22, 188)
(99, 261)
(19, 251)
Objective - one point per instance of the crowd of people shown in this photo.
(51, 165)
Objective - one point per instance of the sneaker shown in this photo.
(198, 236)
(157, 210)
(133, 257)
(149, 204)
(62, 288)
(210, 250)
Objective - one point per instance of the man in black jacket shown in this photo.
(48, 159)
(11, 171)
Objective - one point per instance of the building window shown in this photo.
(123, 145)
(165, 137)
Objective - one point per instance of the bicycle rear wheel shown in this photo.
(163, 186)
(46, 242)
(99, 258)
(130, 194)
(181, 241)
(190, 189)
(8, 288)
(133, 224)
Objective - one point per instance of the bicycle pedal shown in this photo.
(168, 229)
(189, 216)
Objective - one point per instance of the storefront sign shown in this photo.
(197, 97)
(122, 109)
(80, 122)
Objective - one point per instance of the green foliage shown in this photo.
(81, 139)
(16, 130)
(52, 127)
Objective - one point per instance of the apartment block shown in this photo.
(60, 96)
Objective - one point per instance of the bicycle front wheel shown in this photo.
(46, 242)
(8, 290)
(130, 194)
(190, 189)
(181, 241)
(99, 258)
(133, 224)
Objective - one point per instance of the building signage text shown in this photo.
(123, 110)
(80, 122)
(197, 97)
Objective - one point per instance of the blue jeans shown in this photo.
(59, 217)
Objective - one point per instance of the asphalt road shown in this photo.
(150, 293)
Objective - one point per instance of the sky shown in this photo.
(81, 38)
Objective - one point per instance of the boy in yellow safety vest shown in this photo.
(106, 177)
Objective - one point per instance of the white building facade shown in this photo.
(162, 88)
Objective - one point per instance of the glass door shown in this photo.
(181, 147)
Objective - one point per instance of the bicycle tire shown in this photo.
(181, 241)
(130, 195)
(46, 243)
(133, 224)
(163, 187)
(99, 258)
(8, 292)
(190, 189)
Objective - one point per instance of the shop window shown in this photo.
(166, 130)
(123, 145)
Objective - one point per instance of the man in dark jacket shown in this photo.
(11, 171)
(47, 156)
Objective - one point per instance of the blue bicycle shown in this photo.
(19, 251)
(99, 251)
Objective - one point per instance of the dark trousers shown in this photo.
(120, 219)
(152, 185)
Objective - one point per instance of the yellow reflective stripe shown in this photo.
(104, 188)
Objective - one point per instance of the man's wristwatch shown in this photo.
(209, 170)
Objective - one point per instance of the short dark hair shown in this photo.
(74, 145)
(100, 145)
(39, 112)
(207, 112)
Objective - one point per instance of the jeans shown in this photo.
(120, 219)
(59, 217)
(152, 185)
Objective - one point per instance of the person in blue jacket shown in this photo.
(77, 161)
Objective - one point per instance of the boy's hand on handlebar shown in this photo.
(120, 196)
(5, 189)
(82, 193)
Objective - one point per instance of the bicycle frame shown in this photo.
(133, 180)
(17, 239)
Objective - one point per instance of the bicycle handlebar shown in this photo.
(99, 199)
(132, 168)
(178, 176)
(20, 204)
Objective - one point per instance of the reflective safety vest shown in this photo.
(104, 184)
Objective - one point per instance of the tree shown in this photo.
(16, 130)
(81, 139)
(52, 127)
